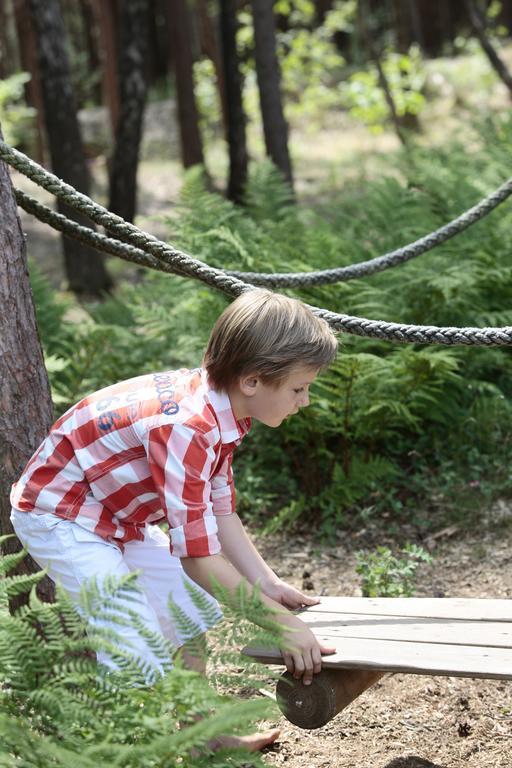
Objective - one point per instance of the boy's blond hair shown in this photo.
(266, 334)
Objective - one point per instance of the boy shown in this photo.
(159, 447)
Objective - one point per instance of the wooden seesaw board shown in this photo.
(460, 637)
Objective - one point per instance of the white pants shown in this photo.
(73, 555)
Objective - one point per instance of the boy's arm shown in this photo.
(239, 550)
(303, 653)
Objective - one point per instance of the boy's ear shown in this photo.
(249, 384)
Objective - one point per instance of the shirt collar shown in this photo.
(231, 430)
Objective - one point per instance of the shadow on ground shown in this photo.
(412, 762)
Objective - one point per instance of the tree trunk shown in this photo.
(367, 36)
(210, 47)
(26, 405)
(322, 8)
(106, 19)
(478, 25)
(190, 137)
(416, 26)
(132, 99)
(9, 59)
(85, 268)
(401, 25)
(92, 48)
(275, 128)
(238, 158)
(158, 56)
(29, 63)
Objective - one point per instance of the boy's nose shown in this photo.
(305, 400)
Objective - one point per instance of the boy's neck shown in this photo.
(238, 403)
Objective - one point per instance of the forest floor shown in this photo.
(406, 721)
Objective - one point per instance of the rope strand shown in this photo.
(188, 266)
(380, 263)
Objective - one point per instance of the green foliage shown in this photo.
(16, 118)
(384, 574)
(390, 427)
(59, 707)
(365, 99)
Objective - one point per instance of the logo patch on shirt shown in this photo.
(164, 386)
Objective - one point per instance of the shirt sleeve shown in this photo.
(223, 487)
(181, 463)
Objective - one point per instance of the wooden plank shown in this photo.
(411, 629)
(467, 608)
(414, 658)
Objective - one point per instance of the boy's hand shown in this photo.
(303, 655)
(287, 595)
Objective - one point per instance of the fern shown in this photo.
(59, 707)
(385, 415)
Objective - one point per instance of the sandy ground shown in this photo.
(406, 721)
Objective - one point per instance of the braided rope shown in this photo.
(188, 266)
(90, 237)
(380, 263)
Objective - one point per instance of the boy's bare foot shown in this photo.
(251, 743)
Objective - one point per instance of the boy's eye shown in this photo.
(301, 389)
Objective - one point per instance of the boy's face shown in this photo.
(271, 405)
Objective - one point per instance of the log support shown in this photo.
(312, 706)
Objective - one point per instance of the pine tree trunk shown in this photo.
(132, 99)
(322, 8)
(190, 137)
(210, 47)
(26, 406)
(238, 158)
(275, 128)
(29, 63)
(105, 15)
(416, 26)
(9, 59)
(91, 46)
(85, 267)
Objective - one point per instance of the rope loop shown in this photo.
(142, 248)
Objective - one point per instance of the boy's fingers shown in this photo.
(309, 599)
(327, 650)
(299, 665)
(307, 677)
(288, 662)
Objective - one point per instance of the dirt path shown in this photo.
(407, 721)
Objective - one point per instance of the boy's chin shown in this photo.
(272, 424)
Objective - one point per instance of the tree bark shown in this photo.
(132, 100)
(25, 400)
(85, 268)
(210, 47)
(188, 117)
(91, 46)
(28, 58)
(268, 74)
(478, 25)
(9, 59)
(238, 157)
(106, 19)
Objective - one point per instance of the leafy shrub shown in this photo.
(365, 99)
(16, 118)
(384, 574)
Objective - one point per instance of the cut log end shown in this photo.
(312, 706)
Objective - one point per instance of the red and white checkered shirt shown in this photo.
(154, 447)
